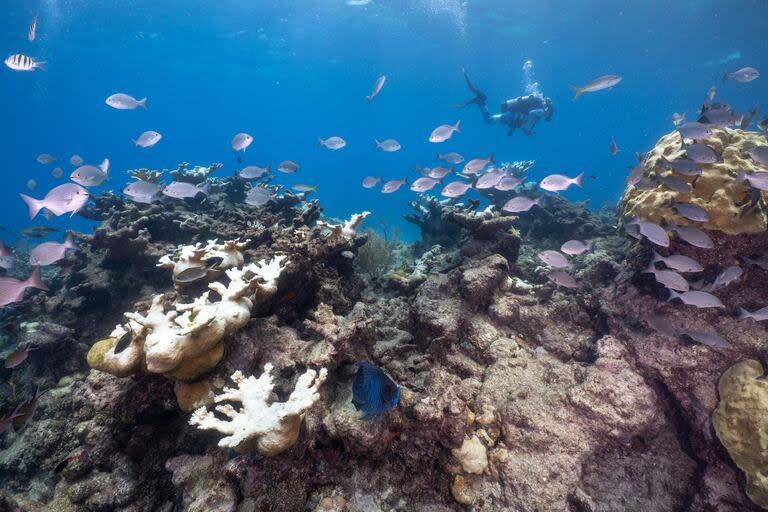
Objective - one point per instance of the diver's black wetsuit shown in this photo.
(521, 112)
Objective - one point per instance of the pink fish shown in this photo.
(563, 279)
(554, 259)
(455, 189)
(12, 290)
(508, 183)
(393, 186)
(560, 182)
(476, 165)
(439, 172)
(241, 141)
(65, 198)
(576, 247)
(521, 204)
(17, 357)
(490, 179)
(49, 253)
(371, 181)
(443, 132)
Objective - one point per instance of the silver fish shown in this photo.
(693, 236)
(489, 179)
(759, 154)
(726, 277)
(388, 145)
(694, 130)
(19, 62)
(379, 81)
(676, 184)
(142, 191)
(12, 290)
(554, 259)
(253, 172)
(88, 176)
(678, 119)
(576, 247)
(45, 158)
(49, 253)
(700, 153)
(57, 173)
(598, 84)
(304, 189)
(439, 172)
(653, 232)
(706, 338)
(697, 298)
(563, 279)
(678, 262)
(184, 190)
(121, 101)
(455, 189)
(682, 166)
(259, 196)
(393, 186)
(476, 165)
(241, 141)
(508, 183)
(333, 143)
(76, 160)
(669, 279)
(743, 75)
(758, 180)
(521, 204)
(147, 139)
(371, 181)
(560, 182)
(424, 184)
(451, 158)
(288, 166)
(663, 325)
(444, 132)
(66, 198)
(691, 211)
(760, 261)
(758, 316)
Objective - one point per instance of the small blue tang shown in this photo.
(373, 392)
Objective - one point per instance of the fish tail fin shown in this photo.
(104, 166)
(267, 168)
(405, 180)
(744, 314)
(490, 159)
(673, 294)
(452, 169)
(656, 257)
(369, 98)
(577, 90)
(134, 142)
(204, 188)
(378, 144)
(725, 75)
(69, 242)
(457, 126)
(143, 103)
(319, 141)
(40, 65)
(34, 205)
(438, 156)
(539, 201)
(35, 281)
(577, 180)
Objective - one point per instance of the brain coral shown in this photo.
(733, 206)
(741, 424)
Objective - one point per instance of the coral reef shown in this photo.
(269, 429)
(733, 206)
(740, 423)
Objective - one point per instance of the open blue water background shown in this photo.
(290, 72)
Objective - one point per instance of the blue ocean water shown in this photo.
(290, 72)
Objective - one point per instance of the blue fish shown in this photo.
(373, 392)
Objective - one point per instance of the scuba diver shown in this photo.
(521, 112)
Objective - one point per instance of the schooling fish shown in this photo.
(147, 139)
(598, 84)
(19, 62)
(424, 184)
(45, 158)
(76, 160)
(333, 143)
(759, 154)
(694, 130)
(303, 189)
(49, 253)
(253, 172)
(758, 316)
(444, 132)
(691, 211)
(675, 183)
(760, 261)
(613, 148)
(758, 180)
(576, 247)
(682, 166)
(451, 158)
(31, 184)
(65, 198)
(439, 172)
(57, 173)
(88, 176)
(563, 279)
(560, 182)
(521, 204)
(121, 101)
(653, 232)
(376, 87)
(288, 166)
(388, 145)
(669, 278)
(697, 298)
(726, 277)
(693, 236)
(678, 262)
(489, 179)
(241, 141)
(142, 191)
(554, 259)
(373, 392)
(476, 165)
(508, 183)
(700, 153)
(393, 186)
(12, 290)
(706, 338)
(371, 181)
(259, 196)
(743, 75)
(184, 190)
(455, 189)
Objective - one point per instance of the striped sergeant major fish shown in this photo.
(19, 62)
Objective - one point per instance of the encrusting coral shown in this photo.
(733, 206)
(741, 424)
(183, 340)
(268, 428)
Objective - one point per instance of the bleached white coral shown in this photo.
(184, 340)
(197, 256)
(269, 428)
(349, 228)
